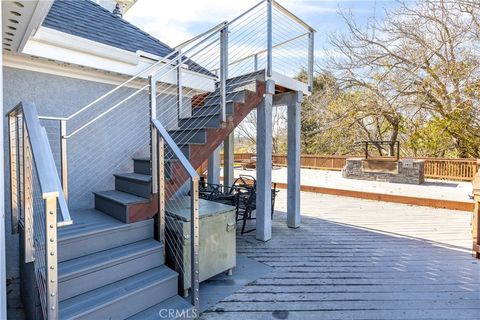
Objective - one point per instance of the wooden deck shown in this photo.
(360, 259)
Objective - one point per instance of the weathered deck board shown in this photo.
(360, 259)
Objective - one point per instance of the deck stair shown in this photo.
(110, 265)
(199, 135)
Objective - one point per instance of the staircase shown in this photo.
(111, 267)
(201, 134)
(109, 264)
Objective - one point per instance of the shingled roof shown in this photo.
(86, 19)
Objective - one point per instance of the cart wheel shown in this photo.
(230, 272)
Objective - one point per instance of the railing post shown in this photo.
(161, 190)
(269, 38)
(476, 218)
(28, 198)
(194, 243)
(255, 62)
(310, 60)
(179, 86)
(223, 71)
(51, 262)
(63, 158)
(13, 160)
(153, 132)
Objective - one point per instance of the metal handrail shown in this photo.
(292, 16)
(43, 158)
(165, 60)
(265, 50)
(175, 149)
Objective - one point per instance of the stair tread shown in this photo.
(88, 221)
(121, 197)
(184, 130)
(173, 303)
(135, 176)
(105, 295)
(86, 264)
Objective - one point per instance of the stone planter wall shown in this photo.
(407, 171)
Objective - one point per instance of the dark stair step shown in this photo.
(134, 183)
(95, 270)
(215, 99)
(201, 122)
(195, 136)
(123, 298)
(117, 203)
(95, 231)
(185, 148)
(142, 166)
(245, 78)
(181, 309)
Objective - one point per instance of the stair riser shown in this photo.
(185, 150)
(199, 123)
(87, 244)
(142, 167)
(138, 188)
(206, 111)
(117, 210)
(231, 97)
(194, 137)
(135, 302)
(119, 270)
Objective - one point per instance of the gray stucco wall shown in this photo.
(94, 154)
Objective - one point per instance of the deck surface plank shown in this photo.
(360, 259)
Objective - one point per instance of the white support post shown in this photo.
(294, 107)
(228, 155)
(264, 164)
(3, 276)
(213, 175)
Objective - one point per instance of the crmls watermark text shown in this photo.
(175, 313)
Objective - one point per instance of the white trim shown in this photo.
(39, 14)
(61, 69)
(289, 83)
(67, 41)
(59, 46)
(41, 65)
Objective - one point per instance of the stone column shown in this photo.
(214, 167)
(294, 107)
(264, 164)
(228, 160)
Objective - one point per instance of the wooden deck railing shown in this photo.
(435, 168)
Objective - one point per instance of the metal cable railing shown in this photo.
(35, 195)
(191, 89)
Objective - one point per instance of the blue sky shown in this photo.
(176, 21)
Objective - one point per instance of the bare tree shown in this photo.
(246, 132)
(423, 59)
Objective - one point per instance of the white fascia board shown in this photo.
(290, 83)
(25, 62)
(70, 42)
(59, 46)
(39, 14)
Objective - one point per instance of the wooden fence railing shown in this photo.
(435, 168)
